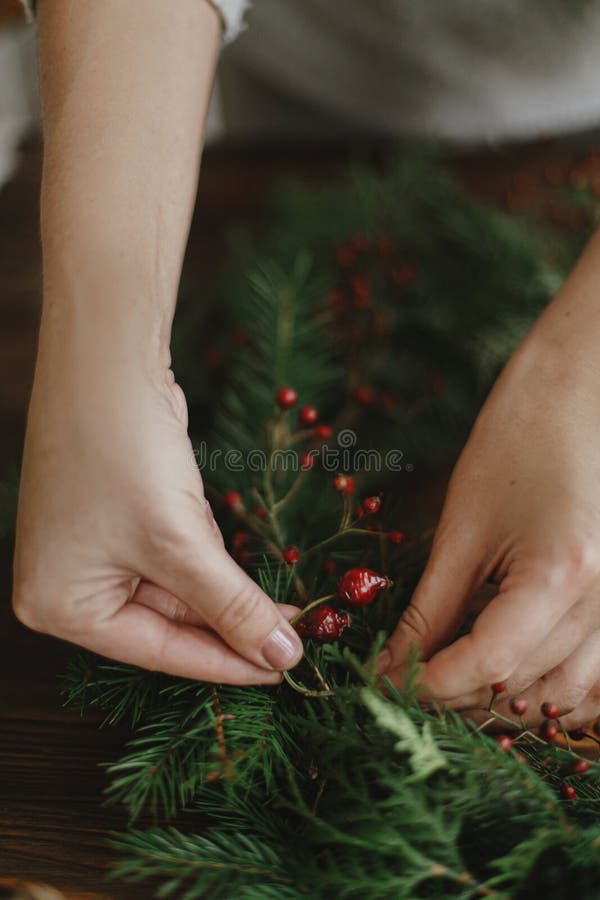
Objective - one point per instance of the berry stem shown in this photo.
(302, 689)
(291, 493)
(310, 606)
(342, 533)
(346, 513)
(525, 733)
(320, 678)
(485, 724)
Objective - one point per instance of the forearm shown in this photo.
(125, 89)
(569, 328)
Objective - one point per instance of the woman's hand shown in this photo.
(116, 547)
(523, 511)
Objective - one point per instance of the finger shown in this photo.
(154, 597)
(587, 711)
(564, 639)
(438, 606)
(161, 601)
(527, 608)
(143, 637)
(212, 584)
(574, 686)
(571, 686)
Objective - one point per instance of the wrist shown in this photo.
(99, 308)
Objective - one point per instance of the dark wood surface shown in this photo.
(53, 824)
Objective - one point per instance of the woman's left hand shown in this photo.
(522, 511)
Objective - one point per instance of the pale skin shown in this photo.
(116, 550)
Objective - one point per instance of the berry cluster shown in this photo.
(547, 733)
(369, 269)
(357, 587)
(317, 620)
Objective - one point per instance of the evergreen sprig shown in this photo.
(192, 865)
(345, 791)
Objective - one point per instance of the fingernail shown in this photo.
(383, 662)
(283, 648)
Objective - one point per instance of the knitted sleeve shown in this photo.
(231, 13)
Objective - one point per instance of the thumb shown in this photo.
(232, 604)
(438, 606)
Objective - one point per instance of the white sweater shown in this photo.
(466, 70)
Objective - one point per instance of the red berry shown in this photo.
(330, 565)
(519, 706)
(291, 555)
(232, 499)
(548, 730)
(580, 766)
(404, 274)
(360, 513)
(243, 558)
(307, 461)
(323, 623)
(364, 396)
(286, 397)
(308, 415)
(550, 710)
(361, 289)
(344, 484)
(504, 742)
(361, 243)
(239, 540)
(396, 537)
(260, 512)
(498, 688)
(344, 256)
(360, 587)
(371, 505)
(568, 792)
(323, 432)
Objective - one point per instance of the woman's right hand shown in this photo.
(117, 550)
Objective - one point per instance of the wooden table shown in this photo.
(53, 824)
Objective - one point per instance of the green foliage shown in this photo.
(223, 865)
(425, 758)
(125, 692)
(351, 793)
(196, 734)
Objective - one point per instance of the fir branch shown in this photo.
(222, 865)
(199, 734)
(425, 757)
(126, 692)
(354, 795)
